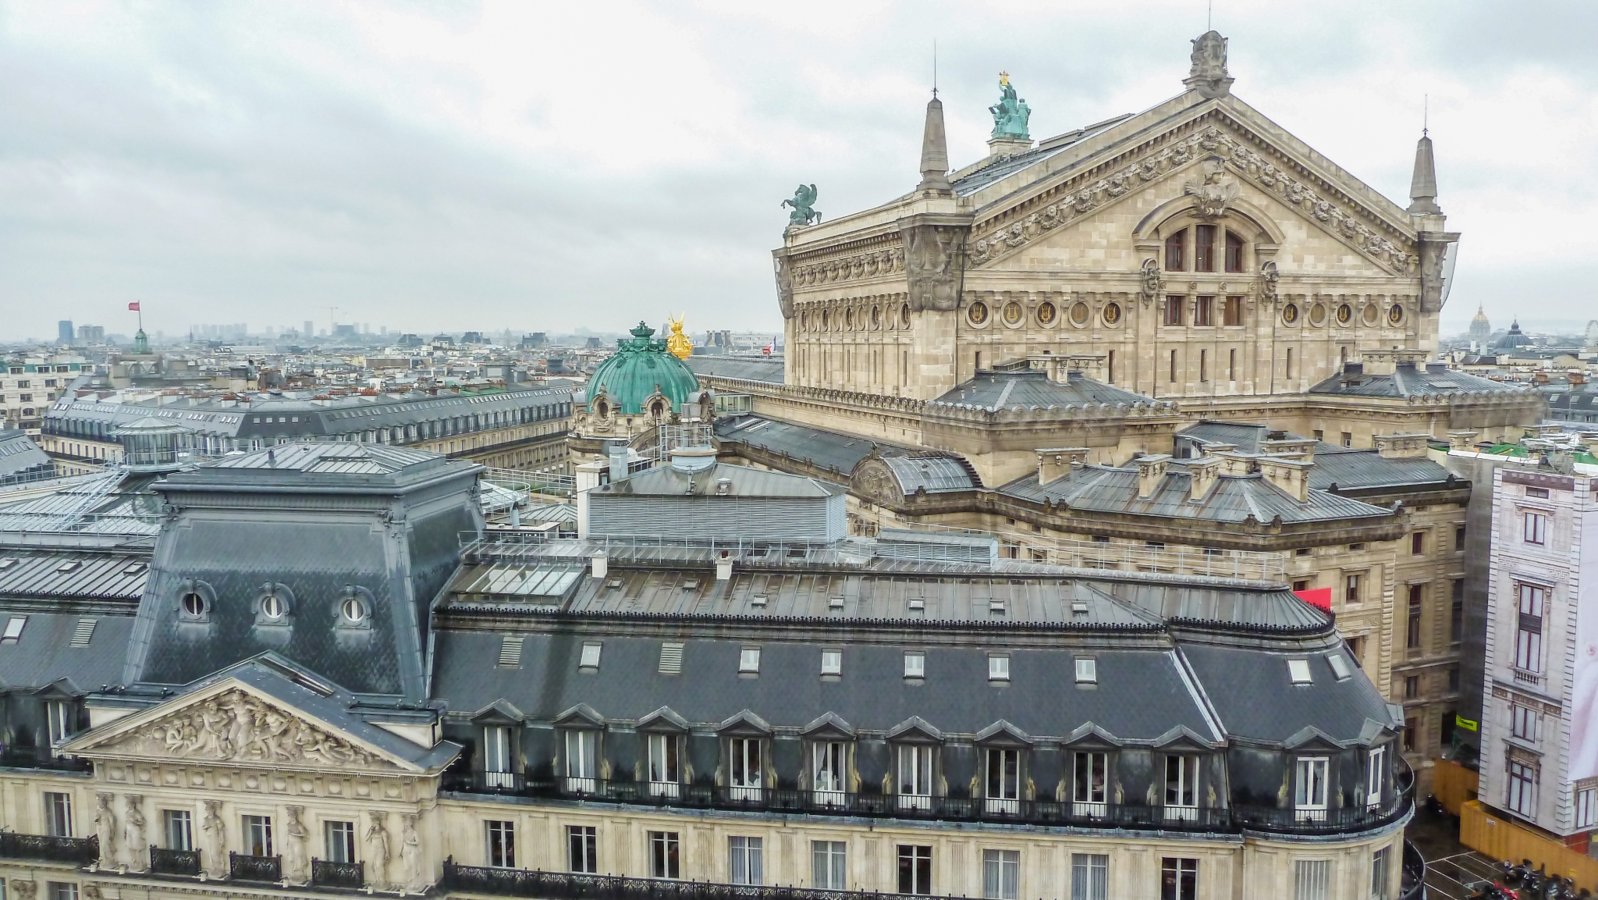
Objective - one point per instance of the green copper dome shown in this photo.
(640, 369)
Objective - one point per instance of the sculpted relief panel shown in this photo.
(236, 727)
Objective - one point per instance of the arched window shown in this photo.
(1194, 249)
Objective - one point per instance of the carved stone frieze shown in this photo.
(236, 727)
(933, 262)
(870, 264)
(874, 482)
(1077, 198)
(1268, 281)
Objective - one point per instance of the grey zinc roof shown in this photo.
(1411, 381)
(45, 653)
(42, 574)
(312, 458)
(1255, 699)
(1233, 498)
(934, 473)
(1246, 438)
(741, 481)
(830, 450)
(746, 368)
(973, 180)
(1141, 693)
(19, 455)
(1352, 469)
(1033, 388)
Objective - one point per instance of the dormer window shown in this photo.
(1181, 787)
(273, 608)
(832, 662)
(999, 667)
(1309, 788)
(192, 605)
(1087, 670)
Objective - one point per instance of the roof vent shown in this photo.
(71, 565)
(723, 485)
(671, 658)
(757, 600)
(137, 568)
(13, 631)
(918, 605)
(613, 584)
(7, 563)
(1298, 671)
(835, 603)
(690, 584)
(1079, 608)
(84, 632)
(996, 607)
(510, 652)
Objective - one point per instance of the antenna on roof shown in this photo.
(934, 67)
(1425, 114)
(1209, 16)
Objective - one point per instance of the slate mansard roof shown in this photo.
(1028, 389)
(1409, 380)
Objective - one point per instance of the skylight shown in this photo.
(832, 662)
(749, 660)
(1298, 671)
(590, 656)
(1087, 670)
(915, 664)
(13, 629)
(1339, 664)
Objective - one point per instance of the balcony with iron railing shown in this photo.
(244, 867)
(40, 758)
(326, 873)
(1413, 882)
(49, 848)
(1094, 815)
(570, 886)
(174, 862)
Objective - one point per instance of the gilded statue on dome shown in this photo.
(679, 344)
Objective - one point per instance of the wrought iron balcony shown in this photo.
(82, 851)
(326, 873)
(174, 862)
(569, 886)
(40, 758)
(1288, 820)
(243, 867)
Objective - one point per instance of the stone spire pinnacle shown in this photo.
(1423, 184)
(934, 150)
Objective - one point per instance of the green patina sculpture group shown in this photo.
(803, 203)
(1011, 113)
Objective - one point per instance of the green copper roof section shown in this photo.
(640, 369)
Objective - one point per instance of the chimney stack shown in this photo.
(1290, 476)
(1202, 475)
(1056, 463)
(1402, 446)
(1151, 474)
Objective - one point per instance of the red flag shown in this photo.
(766, 350)
(133, 306)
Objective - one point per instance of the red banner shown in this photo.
(133, 306)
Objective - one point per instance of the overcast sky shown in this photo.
(548, 166)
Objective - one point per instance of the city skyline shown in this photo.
(459, 168)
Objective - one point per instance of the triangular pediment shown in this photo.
(1256, 159)
(233, 723)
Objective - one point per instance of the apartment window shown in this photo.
(829, 868)
(1309, 787)
(258, 835)
(1351, 586)
(1204, 311)
(1375, 776)
(1348, 439)
(339, 838)
(60, 890)
(1522, 788)
(745, 769)
(827, 771)
(57, 814)
(915, 776)
(1090, 782)
(998, 667)
(1090, 876)
(1412, 626)
(1178, 878)
(1529, 627)
(1411, 687)
(177, 828)
(1586, 807)
(1204, 248)
(1003, 783)
(1379, 873)
(915, 869)
(62, 721)
(501, 849)
(1175, 258)
(582, 758)
(1001, 874)
(1181, 787)
(665, 857)
(1232, 311)
(1417, 543)
(1411, 730)
(749, 661)
(1523, 722)
(1173, 316)
(665, 764)
(499, 767)
(1312, 879)
(1234, 253)
(744, 860)
(582, 849)
(1534, 527)
(1456, 612)
(915, 664)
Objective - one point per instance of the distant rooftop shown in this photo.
(1033, 388)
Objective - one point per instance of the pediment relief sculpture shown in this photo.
(1211, 189)
(235, 726)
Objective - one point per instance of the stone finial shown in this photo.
(934, 151)
(1055, 463)
(1423, 183)
(1208, 73)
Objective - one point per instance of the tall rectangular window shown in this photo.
(177, 829)
(1456, 611)
(1309, 788)
(1175, 258)
(62, 721)
(665, 857)
(915, 776)
(1090, 876)
(1312, 879)
(1532, 601)
(1090, 782)
(1412, 626)
(1586, 807)
(1523, 722)
(339, 841)
(1380, 875)
(744, 862)
(1178, 878)
(258, 835)
(1204, 248)
(499, 770)
(665, 765)
(61, 890)
(1534, 527)
(1001, 874)
(1417, 543)
(827, 771)
(915, 869)
(1375, 776)
(1181, 787)
(1232, 311)
(57, 814)
(1173, 309)
(1351, 586)
(1003, 783)
(1204, 311)
(745, 768)
(1522, 797)
(829, 869)
(1234, 253)
(582, 849)
(500, 852)
(581, 760)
